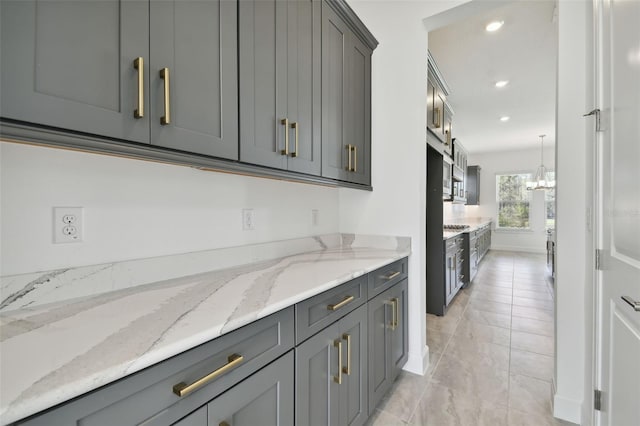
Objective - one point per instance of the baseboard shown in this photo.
(566, 408)
(519, 249)
(418, 363)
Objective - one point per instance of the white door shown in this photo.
(618, 328)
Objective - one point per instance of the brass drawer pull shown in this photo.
(337, 306)
(285, 123)
(338, 344)
(182, 389)
(347, 370)
(138, 64)
(436, 114)
(391, 275)
(295, 126)
(166, 118)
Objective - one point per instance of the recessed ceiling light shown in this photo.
(505, 118)
(494, 26)
(502, 83)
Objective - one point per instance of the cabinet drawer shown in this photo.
(148, 397)
(383, 278)
(317, 312)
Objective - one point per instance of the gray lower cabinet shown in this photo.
(331, 374)
(70, 65)
(280, 94)
(194, 76)
(388, 340)
(346, 101)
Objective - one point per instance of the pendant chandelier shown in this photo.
(541, 180)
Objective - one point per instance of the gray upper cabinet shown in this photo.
(194, 76)
(331, 374)
(70, 64)
(280, 84)
(346, 101)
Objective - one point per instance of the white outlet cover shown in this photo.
(248, 220)
(68, 225)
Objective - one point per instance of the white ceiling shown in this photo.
(523, 51)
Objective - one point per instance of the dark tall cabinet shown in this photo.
(346, 101)
(473, 185)
(280, 96)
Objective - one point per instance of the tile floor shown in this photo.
(491, 354)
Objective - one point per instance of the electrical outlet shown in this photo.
(68, 225)
(248, 223)
(315, 217)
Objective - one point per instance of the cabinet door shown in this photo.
(400, 331)
(335, 42)
(448, 282)
(317, 391)
(359, 110)
(197, 109)
(353, 390)
(431, 98)
(379, 337)
(265, 398)
(304, 106)
(263, 82)
(70, 64)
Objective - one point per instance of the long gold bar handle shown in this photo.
(182, 389)
(391, 275)
(436, 115)
(285, 123)
(392, 326)
(347, 370)
(337, 306)
(396, 312)
(295, 126)
(355, 158)
(349, 157)
(338, 344)
(166, 118)
(138, 64)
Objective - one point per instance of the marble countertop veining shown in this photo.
(66, 332)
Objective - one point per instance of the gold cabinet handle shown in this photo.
(182, 389)
(436, 115)
(295, 127)
(349, 157)
(166, 118)
(138, 64)
(338, 344)
(396, 320)
(355, 158)
(347, 370)
(347, 299)
(285, 123)
(391, 275)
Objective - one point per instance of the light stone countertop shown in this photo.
(66, 332)
(473, 222)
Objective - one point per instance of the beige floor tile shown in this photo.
(474, 332)
(532, 343)
(488, 318)
(534, 326)
(478, 353)
(446, 323)
(499, 298)
(520, 418)
(485, 282)
(434, 359)
(532, 303)
(533, 294)
(530, 395)
(404, 396)
(531, 364)
(489, 289)
(527, 312)
(459, 375)
(442, 406)
(380, 418)
(531, 286)
(489, 306)
(437, 340)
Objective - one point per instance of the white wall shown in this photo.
(574, 249)
(397, 205)
(520, 161)
(136, 209)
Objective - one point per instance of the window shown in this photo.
(550, 202)
(513, 200)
